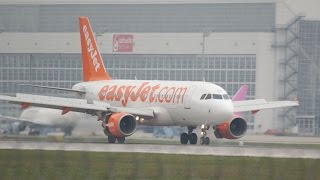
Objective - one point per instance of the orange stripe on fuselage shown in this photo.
(143, 93)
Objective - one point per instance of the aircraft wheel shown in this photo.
(206, 141)
(121, 140)
(193, 138)
(201, 140)
(111, 139)
(106, 132)
(34, 133)
(184, 138)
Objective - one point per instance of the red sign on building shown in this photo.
(122, 43)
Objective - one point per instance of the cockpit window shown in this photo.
(225, 96)
(202, 97)
(214, 96)
(217, 96)
(208, 96)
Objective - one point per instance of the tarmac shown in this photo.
(272, 152)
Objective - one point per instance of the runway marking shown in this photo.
(166, 149)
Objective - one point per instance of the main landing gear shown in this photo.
(192, 138)
(112, 139)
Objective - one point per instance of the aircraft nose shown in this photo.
(226, 110)
(229, 108)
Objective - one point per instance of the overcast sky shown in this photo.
(311, 8)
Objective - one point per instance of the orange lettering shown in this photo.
(102, 93)
(111, 93)
(144, 93)
(120, 93)
(127, 95)
(182, 92)
(134, 96)
(169, 96)
(154, 88)
(159, 98)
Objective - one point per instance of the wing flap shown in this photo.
(260, 104)
(77, 105)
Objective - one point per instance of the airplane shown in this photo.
(39, 119)
(121, 105)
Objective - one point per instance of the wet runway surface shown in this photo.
(167, 149)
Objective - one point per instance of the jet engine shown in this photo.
(120, 125)
(233, 129)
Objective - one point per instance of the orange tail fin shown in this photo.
(92, 64)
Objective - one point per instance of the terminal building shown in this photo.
(227, 42)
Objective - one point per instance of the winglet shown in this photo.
(241, 94)
(92, 64)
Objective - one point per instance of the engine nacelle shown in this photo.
(233, 129)
(121, 125)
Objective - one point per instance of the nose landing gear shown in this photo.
(204, 140)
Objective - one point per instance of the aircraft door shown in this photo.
(188, 98)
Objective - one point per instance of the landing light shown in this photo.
(202, 126)
(141, 119)
(137, 118)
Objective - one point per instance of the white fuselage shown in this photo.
(174, 102)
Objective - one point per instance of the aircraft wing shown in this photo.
(260, 104)
(27, 121)
(72, 104)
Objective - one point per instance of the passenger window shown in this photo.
(225, 96)
(202, 97)
(208, 96)
(216, 96)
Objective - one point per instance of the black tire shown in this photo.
(193, 138)
(34, 133)
(184, 138)
(106, 132)
(111, 139)
(206, 141)
(201, 140)
(121, 140)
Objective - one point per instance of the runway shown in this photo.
(167, 149)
